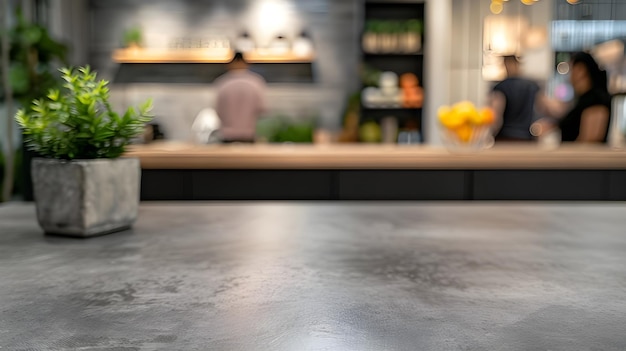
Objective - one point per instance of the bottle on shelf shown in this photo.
(389, 126)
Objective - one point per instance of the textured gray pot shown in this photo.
(86, 197)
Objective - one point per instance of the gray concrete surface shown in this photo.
(86, 197)
(338, 276)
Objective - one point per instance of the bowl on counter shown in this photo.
(464, 128)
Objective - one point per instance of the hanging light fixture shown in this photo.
(497, 6)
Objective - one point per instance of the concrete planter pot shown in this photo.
(85, 198)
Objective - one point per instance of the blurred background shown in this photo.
(456, 53)
(339, 71)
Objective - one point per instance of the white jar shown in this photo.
(303, 46)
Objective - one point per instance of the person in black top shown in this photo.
(513, 101)
(589, 118)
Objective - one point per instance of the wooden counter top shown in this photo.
(288, 156)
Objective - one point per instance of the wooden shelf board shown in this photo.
(393, 54)
(199, 56)
(410, 109)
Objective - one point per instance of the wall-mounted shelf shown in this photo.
(392, 109)
(141, 55)
(369, 54)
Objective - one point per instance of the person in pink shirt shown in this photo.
(240, 101)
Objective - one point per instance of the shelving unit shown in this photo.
(397, 62)
(368, 54)
(203, 66)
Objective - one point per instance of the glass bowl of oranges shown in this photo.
(466, 128)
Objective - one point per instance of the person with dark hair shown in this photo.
(589, 118)
(240, 101)
(513, 101)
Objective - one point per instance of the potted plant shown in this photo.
(133, 38)
(82, 186)
(413, 36)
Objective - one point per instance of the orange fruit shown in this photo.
(485, 116)
(449, 118)
(466, 111)
(408, 80)
(464, 133)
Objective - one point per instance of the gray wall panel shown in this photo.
(334, 26)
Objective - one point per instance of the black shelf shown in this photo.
(393, 10)
(402, 115)
(396, 62)
(391, 109)
(206, 73)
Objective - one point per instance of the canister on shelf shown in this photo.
(389, 126)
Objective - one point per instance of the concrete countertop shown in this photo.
(321, 276)
(169, 155)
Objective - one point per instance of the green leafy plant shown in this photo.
(27, 73)
(294, 133)
(132, 37)
(414, 25)
(32, 54)
(282, 129)
(79, 123)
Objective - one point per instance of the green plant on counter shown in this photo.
(282, 129)
(295, 133)
(79, 123)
